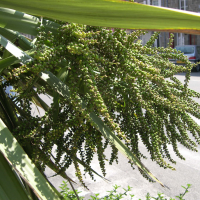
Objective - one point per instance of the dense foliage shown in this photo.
(129, 86)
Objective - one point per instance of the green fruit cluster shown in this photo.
(131, 87)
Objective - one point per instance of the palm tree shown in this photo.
(83, 100)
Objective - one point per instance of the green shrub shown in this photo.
(115, 195)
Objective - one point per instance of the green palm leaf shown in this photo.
(62, 75)
(15, 50)
(109, 13)
(23, 165)
(4, 63)
(21, 22)
(9, 180)
(13, 36)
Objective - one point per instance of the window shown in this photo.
(186, 49)
(153, 2)
(183, 4)
(198, 50)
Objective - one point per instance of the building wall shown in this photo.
(194, 5)
(179, 39)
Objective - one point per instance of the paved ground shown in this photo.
(186, 171)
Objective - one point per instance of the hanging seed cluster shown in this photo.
(131, 87)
